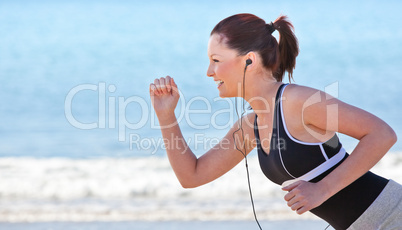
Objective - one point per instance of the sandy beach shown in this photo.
(168, 225)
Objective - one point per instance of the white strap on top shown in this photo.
(331, 162)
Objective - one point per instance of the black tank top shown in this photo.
(290, 159)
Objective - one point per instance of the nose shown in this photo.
(210, 71)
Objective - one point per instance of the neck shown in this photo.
(260, 93)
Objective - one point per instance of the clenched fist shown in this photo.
(164, 95)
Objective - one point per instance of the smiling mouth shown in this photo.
(219, 83)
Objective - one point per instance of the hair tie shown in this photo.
(270, 26)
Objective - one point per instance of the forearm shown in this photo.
(181, 158)
(370, 149)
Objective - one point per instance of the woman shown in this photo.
(293, 127)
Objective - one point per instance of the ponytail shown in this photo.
(288, 48)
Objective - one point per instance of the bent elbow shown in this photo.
(390, 135)
(393, 137)
(189, 182)
(188, 185)
(193, 182)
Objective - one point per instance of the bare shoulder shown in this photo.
(299, 93)
(298, 97)
(308, 111)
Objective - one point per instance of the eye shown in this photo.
(215, 60)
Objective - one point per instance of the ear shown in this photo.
(252, 56)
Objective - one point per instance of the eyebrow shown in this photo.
(214, 54)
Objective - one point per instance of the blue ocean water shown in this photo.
(108, 52)
(79, 140)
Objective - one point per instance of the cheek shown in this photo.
(224, 70)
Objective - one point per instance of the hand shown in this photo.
(164, 95)
(303, 196)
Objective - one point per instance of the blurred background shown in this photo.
(79, 140)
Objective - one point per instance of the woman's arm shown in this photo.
(190, 171)
(375, 139)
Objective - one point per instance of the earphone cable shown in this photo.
(244, 154)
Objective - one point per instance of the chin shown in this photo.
(226, 94)
(222, 95)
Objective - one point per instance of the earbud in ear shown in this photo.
(248, 62)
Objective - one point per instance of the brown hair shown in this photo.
(247, 32)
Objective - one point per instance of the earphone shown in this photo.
(248, 62)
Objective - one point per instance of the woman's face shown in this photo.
(225, 67)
